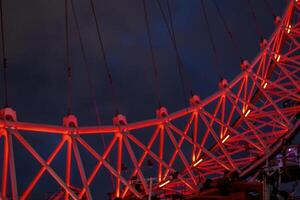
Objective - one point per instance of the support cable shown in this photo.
(87, 66)
(154, 64)
(178, 58)
(103, 52)
(254, 17)
(228, 30)
(211, 39)
(90, 82)
(68, 64)
(4, 58)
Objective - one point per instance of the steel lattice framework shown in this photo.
(235, 129)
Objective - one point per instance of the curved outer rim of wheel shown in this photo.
(245, 171)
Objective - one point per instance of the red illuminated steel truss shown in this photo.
(235, 129)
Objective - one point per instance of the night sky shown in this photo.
(35, 39)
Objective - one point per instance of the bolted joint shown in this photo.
(161, 112)
(263, 43)
(70, 121)
(223, 83)
(68, 137)
(8, 114)
(245, 65)
(194, 100)
(120, 120)
(277, 20)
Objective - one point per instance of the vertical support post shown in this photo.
(195, 135)
(70, 122)
(119, 164)
(4, 167)
(245, 105)
(222, 135)
(161, 153)
(68, 165)
(12, 171)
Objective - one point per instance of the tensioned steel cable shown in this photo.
(178, 58)
(90, 82)
(87, 66)
(180, 63)
(103, 52)
(228, 30)
(68, 64)
(4, 58)
(154, 64)
(211, 39)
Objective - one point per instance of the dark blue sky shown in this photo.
(36, 58)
